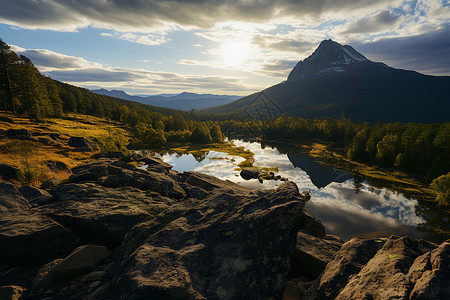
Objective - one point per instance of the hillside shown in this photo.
(331, 83)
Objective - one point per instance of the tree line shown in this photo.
(422, 149)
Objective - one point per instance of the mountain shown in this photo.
(184, 101)
(331, 57)
(337, 81)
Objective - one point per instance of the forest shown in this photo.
(420, 149)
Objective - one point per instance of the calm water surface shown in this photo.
(346, 206)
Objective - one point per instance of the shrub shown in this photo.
(31, 173)
(441, 186)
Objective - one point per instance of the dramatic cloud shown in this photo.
(123, 15)
(79, 71)
(382, 21)
(427, 53)
(148, 39)
(48, 60)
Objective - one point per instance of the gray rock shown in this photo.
(398, 267)
(30, 238)
(115, 173)
(30, 193)
(46, 276)
(8, 172)
(49, 184)
(156, 164)
(79, 142)
(200, 186)
(312, 254)
(312, 226)
(11, 200)
(232, 245)
(81, 261)
(249, 173)
(56, 165)
(100, 213)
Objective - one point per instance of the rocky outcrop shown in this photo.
(11, 200)
(80, 143)
(114, 173)
(394, 268)
(8, 172)
(31, 238)
(115, 231)
(103, 214)
(230, 246)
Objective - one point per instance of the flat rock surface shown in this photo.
(104, 214)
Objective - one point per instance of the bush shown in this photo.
(441, 186)
(30, 173)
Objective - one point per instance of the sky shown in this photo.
(234, 47)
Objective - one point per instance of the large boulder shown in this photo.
(103, 214)
(312, 226)
(81, 261)
(79, 142)
(312, 254)
(8, 172)
(156, 164)
(56, 165)
(394, 268)
(200, 186)
(230, 246)
(30, 193)
(11, 200)
(250, 173)
(115, 173)
(30, 238)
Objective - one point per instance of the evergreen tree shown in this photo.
(201, 135)
(216, 134)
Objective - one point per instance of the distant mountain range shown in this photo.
(337, 81)
(184, 101)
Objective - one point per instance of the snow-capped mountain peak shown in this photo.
(331, 57)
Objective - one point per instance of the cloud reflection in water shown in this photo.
(346, 209)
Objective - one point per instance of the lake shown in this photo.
(346, 205)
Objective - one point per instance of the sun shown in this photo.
(234, 54)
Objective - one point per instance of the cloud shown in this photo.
(382, 21)
(47, 60)
(427, 53)
(78, 71)
(136, 15)
(279, 68)
(148, 39)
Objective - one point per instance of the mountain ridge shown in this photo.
(183, 101)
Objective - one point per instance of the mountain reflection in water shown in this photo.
(347, 206)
